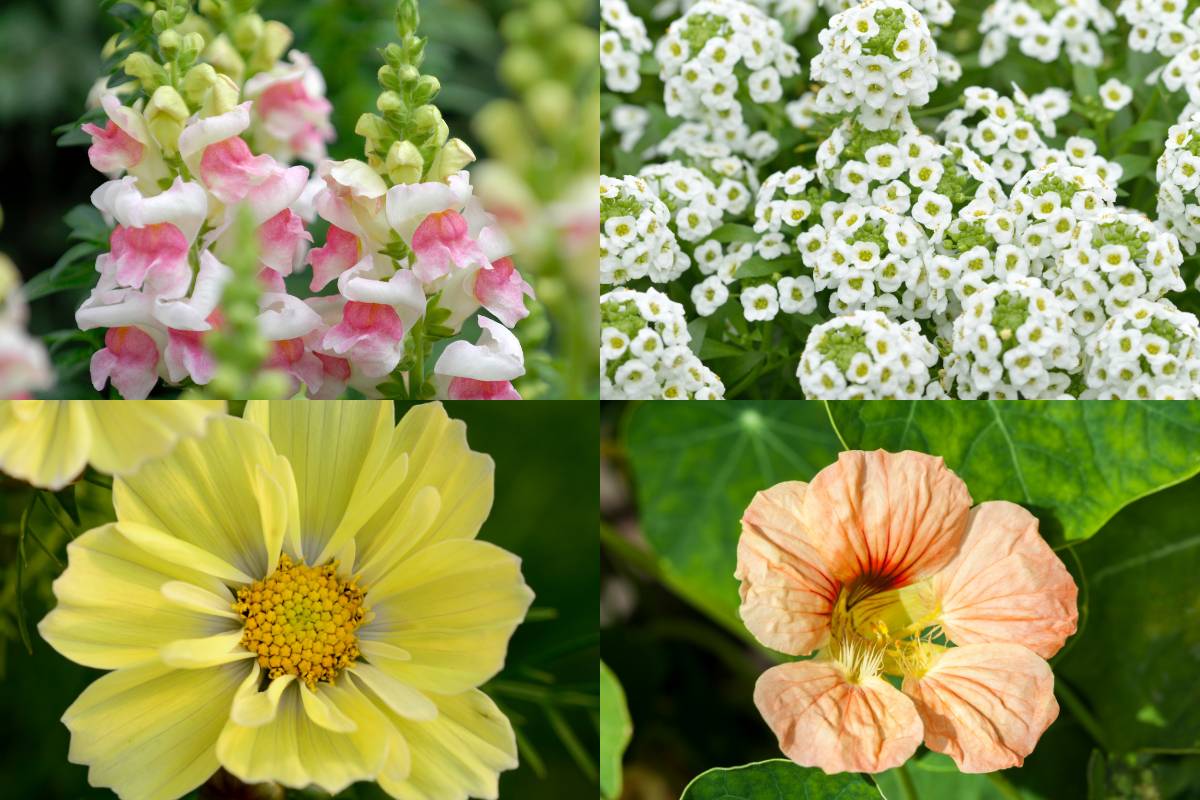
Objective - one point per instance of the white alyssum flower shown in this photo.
(1165, 26)
(797, 294)
(1178, 175)
(760, 303)
(636, 240)
(1046, 31)
(1115, 95)
(865, 355)
(623, 39)
(644, 353)
(695, 205)
(1148, 351)
(709, 295)
(1013, 340)
(786, 201)
(877, 59)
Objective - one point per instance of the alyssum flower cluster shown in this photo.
(832, 226)
(207, 132)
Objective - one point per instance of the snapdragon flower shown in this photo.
(1178, 175)
(291, 119)
(720, 54)
(24, 365)
(644, 351)
(636, 236)
(1147, 351)
(1013, 340)
(1045, 30)
(877, 59)
(864, 355)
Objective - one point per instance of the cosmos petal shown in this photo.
(787, 595)
(892, 518)
(149, 732)
(43, 442)
(823, 720)
(1005, 584)
(985, 705)
(127, 433)
(458, 755)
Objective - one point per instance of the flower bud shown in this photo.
(193, 45)
(404, 163)
(551, 105)
(426, 118)
(454, 156)
(500, 125)
(160, 21)
(547, 16)
(408, 17)
(169, 42)
(148, 73)
(247, 31)
(426, 89)
(393, 54)
(165, 115)
(387, 78)
(389, 101)
(276, 38)
(521, 67)
(222, 97)
(371, 126)
(407, 73)
(224, 56)
(197, 81)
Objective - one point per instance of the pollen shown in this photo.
(301, 620)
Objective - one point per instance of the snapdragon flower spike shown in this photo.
(442, 242)
(291, 113)
(482, 371)
(340, 252)
(24, 364)
(869, 563)
(369, 334)
(129, 359)
(501, 290)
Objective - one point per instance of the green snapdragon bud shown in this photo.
(404, 163)
(166, 114)
(149, 74)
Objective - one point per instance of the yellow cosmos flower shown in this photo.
(48, 442)
(296, 596)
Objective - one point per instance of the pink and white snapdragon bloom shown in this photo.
(291, 114)
(161, 281)
(881, 567)
(482, 371)
(454, 249)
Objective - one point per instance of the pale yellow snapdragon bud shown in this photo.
(454, 156)
(225, 58)
(404, 163)
(165, 115)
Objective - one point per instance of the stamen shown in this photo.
(300, 620)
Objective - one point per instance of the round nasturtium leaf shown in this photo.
(778, 779)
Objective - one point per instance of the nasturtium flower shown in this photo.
(881, 567)
(297, 596)
(49, 442)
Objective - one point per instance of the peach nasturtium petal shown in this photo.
(823, 720)
(985, 705)
(787, 595)
(1006, 584)
(891, 518)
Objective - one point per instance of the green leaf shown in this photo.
(61, 278)
(757, 266)
(733, 232)
(615, 732)
(1074, 464)
(1136, 662)
(1133, 165)
(778, 779)
(696, 466)
(937, 778)
(1151, 130)
(1085, 81)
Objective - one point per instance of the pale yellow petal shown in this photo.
(458, 755)
(323, 711)
(452, 607)
(150, 732)
(127, 433)
(208, 651)
(205, 493)
(195, 598)
(328, 445)
(173, 550)
(438, 456)
(293, 750)
(397, 695)
(416, 517)
(46, 444)
(112, 609)
(252, 707)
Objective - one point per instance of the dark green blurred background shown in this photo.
(544, 512)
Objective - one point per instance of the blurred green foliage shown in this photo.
(549, 687)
